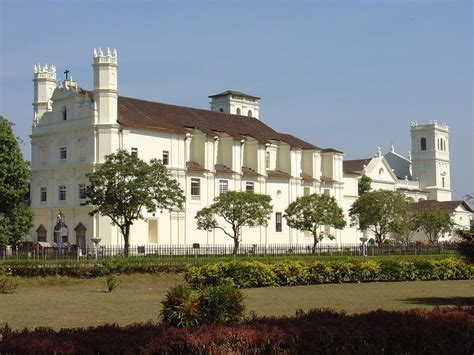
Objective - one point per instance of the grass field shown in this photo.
(59, 302)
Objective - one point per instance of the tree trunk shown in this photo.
(126, 240)
(236, 246)
(315, 242)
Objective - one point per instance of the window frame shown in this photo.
(223, 183)
(81, 191)
(250, 187)
(195, 188)
(165, 157)
(62, 192)
(43, 193)
(63, 153)
(278, 222)
(134, 152)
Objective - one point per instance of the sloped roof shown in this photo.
(155, 115)
(232, 92)
(249, 172)
(354, 166)
(193, 166)
(449, 206)
(223, 169)
(277, 174)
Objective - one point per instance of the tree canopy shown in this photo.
(434, 221)
(15, 214)
(364, 185)
(309, 213)
(237, 209)
(379, 212)
(124, 186)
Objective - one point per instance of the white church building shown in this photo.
(208, 152)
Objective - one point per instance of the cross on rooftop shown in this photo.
(67, 74)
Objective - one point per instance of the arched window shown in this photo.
(443, 145)
(237, 111)
(423, 143)
(221, 110)
(381, 171)
(443, 183)
(64, 114)
(249, 113)
(439, 145)
(41, 233)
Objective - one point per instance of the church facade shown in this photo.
(208, 152)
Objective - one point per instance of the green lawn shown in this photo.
(66, 302)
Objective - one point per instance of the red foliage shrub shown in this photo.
(449, 330)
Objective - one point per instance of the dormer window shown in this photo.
(423, 143)
(64, 114)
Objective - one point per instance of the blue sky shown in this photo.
(346, 74)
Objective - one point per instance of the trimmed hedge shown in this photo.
(249, 274)
(440, 331)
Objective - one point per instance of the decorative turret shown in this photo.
(105, 85)
(44, 79)
(236, 103)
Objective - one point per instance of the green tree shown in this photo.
(124, 186)
(434, 221)
(379, 212)
(309, 213)
(404, 228)
(364, 185)
(238, 209)
(15, 214)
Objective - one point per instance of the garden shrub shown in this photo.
(8, 284)
(184, 307)
(438, 331)
(221, 304)
(180, 307)
(290, 273)
(112, 282)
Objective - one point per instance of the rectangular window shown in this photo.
(327, 192)
(63, 153)
(223, 186)
(62, 192)
(43, 194)
(166, 157)
(134, 152)
(249, 187)
(443, 182)
(195, 188)
(82, 191)
(267, 160)
(278, 224)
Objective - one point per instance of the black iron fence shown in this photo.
(65, 251)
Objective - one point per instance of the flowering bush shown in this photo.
(439, 331)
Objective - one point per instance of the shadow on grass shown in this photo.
(441, 301)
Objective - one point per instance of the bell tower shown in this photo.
(44, 79)
(105, 85)
(430, 159)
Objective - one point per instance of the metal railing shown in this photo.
(219, 250)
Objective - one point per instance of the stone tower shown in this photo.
(45, 82)
(236, 103)
(105, 86)
(430, 159)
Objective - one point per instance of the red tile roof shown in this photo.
(354, 166)
(327, 180)
(277, 174)
(222, 169)
(249, 172)
(155, 115)
(193, 166)
(307, 177)
(449, 206)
